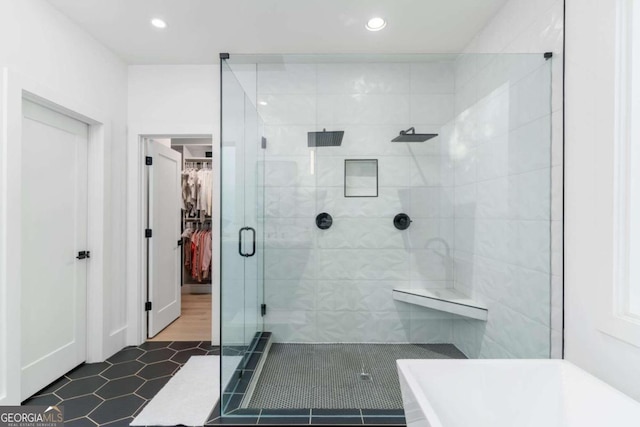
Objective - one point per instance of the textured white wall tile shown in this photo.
(291, 325)
(466, 201)
(466, 166)
(363, 233)
(362, 109)
(369, 78)
(389, 202)
(355, 264)
(493, 159)
(533, 200)
(342, 326)
(387, 327)
(291, 264)
(425, 231)
(534, 245)
(288, 109)
(530, 98)
(289, 233)
(290, 294)
(285, 171)
(433, 77)
(287, 202)
(394, 171)
(286, 79)
(286, 140)
(431, 109)
(494, 199)
(435, 263)
(530, 146)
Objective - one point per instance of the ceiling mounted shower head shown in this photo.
(410, 135)
(324, 138)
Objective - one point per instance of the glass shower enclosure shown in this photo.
(375, 208)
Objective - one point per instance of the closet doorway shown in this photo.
(180, 250)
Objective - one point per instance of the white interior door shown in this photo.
(54, 231)
(164, 254)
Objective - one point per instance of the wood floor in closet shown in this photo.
(195, 322)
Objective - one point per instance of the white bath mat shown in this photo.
(188, 398)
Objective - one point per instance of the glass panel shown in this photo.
(241, 275)
(477, 195)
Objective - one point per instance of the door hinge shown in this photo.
(548, 55)
(263, 309)
(263, 143)
(147, 233)
(148, 160)
(147, 306)
(84, 254)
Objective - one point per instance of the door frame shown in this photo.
(136, 223)
(100, 340)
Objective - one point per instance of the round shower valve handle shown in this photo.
(402, 221)
(324, 221)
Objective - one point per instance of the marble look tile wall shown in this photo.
(336, 285)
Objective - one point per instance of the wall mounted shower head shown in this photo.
(410, 135)
(324, 138)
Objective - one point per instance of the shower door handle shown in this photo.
(253, 251)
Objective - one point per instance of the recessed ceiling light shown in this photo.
(262, 102)
(375, 24)
(158, 23)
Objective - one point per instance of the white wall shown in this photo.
(49, 54)
(178, 96)
(167, 100)
(536, 26)
(589, 239)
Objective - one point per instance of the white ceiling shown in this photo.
(200, 29)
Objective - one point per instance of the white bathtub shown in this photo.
(510, 393)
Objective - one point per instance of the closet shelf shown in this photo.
(191, 159)
(447, 300)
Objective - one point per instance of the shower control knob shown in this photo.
(324, 221)
(402, 221)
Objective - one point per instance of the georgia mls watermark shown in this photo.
(31, 416)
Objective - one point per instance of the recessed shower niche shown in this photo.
(455, 148)
(361, 178)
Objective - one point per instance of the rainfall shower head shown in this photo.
(324, 138)
(410, 135)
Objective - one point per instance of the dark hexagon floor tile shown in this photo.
(122, 369)
(154, 345)
(80, 406)
(119, 423)
(87, 370)
(80, 422)
(53, 386)
(126, 355)
(116, 409)
(184, 345)
(156, 370)
(206, 345)
(120, 387)
(149, 389)
(80, 387)
(215, 352)
(184, 355)
(44, 399)
(157, 355)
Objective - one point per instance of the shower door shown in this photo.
(241, 242)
